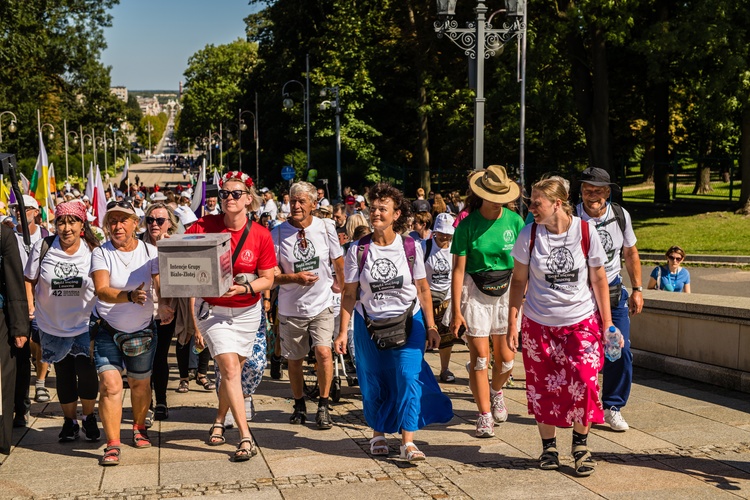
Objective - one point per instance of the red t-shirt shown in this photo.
(257, 254)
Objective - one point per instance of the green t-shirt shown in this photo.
(487, 243)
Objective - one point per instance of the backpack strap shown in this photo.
(619, 215)
(427, 249)
(532, 239)
(585, 239)
(46, 243)
(363, 246)
(410, 248)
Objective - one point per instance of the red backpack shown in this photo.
(585, 239)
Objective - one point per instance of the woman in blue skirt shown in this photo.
(385, 272)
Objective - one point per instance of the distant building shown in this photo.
(120, 92)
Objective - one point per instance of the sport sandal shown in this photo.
(216, 439)
(141, 439)
(584, 464)
(379, 447)
(413, 455)
(111, 456)
(549, 459)
(244, 454)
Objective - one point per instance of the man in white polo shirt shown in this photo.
(305, 247)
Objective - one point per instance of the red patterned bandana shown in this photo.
(74, 208)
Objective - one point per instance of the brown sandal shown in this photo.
(111, 456)
(244, 454)
(216, 439)
(183, 387)
(141, 439)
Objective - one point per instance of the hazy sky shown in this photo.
(150, 41)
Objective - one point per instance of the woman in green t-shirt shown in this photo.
(482, 267)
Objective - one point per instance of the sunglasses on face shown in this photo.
(675, 258)
(121, 204)
(158, 220)
(236, 194)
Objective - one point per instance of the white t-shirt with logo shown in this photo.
(322, 247)
(127, 270)
(385, 281)
(558, 293)
(270, 208)
(64, 293)
(33, 238)
(438, 266)
(612, 237)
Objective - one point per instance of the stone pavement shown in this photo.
(687, 440)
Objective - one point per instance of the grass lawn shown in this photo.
(719, 233)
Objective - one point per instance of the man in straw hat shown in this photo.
(482, 268)
(618, 239)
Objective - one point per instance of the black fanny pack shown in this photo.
(492, 283)
(615, 292)
(390, 333)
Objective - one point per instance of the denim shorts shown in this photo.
(107, 356)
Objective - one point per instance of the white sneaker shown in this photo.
(249, 408)
(499, 411)
(614, 418)
(485, 426)
(229, 420)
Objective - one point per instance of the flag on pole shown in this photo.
(124, 176)
(4, 193)
(24, 184)
(216, 177)
(90, 182)
(98, 199)
(52, 189)
(39, 187)
(199, 194)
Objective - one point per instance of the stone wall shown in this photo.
(700, 337)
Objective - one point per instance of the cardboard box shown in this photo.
(195, 265)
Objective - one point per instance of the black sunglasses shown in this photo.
(121, 204)
(158, 220)
(236, 194)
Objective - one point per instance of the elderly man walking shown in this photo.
(306, 247)
(618, 239)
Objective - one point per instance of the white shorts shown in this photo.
(230, 329)
(485, 315)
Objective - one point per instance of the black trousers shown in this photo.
(21, 401)
(184, 353)
(76, 378)
(160, 373)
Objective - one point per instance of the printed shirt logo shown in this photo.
(560, 262)
(247, 256)
(607, 243)
(441, 270)
(67, 279)
(509, 236)
(384, 272)
(304, 253)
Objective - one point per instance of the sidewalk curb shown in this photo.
(731, 260)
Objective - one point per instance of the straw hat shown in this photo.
(493, 184)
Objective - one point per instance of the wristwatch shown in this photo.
(637, 289)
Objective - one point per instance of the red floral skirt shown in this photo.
(562, 365)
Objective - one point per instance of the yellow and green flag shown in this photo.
(39, 186)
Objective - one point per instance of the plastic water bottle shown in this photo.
(612, 349)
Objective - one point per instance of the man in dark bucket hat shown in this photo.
(618, 239)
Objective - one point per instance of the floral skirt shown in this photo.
(562, 365)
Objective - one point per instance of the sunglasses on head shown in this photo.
(236, 194)
(158, 220)
(121, 204)
(675, 258)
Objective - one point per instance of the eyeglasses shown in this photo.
(158, 220)
(302, 239)
(121, 204)
(675, 258)
(236, 194)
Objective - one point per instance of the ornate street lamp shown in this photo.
(243, 127)
(11, 126)
(479, 40)
(288, 102)
(216, 139)
(335, 104)
(52, 131)
(75, 143)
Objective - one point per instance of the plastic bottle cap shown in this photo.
(612, 329)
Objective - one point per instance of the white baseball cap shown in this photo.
(444, 224)
(158, 196)
(186, 215)
(359, 198)
(264, 190)
(28, 202)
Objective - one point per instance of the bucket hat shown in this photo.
(493, 184)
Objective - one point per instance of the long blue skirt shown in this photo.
(399, 391)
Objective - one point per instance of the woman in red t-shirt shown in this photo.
(228, 325)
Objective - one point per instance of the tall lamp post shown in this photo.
(336, 105)
(479, 40)
(52, 131)
(11, 126)
(149, 127)
(243, 127)
(83, 139)
(289, 102)
(216, 139)
(75, 142)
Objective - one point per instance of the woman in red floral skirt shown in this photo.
(561, 259)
